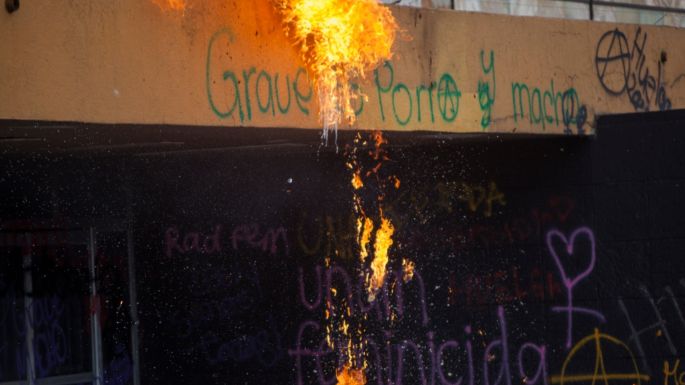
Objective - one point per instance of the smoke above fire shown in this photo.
(339, 41)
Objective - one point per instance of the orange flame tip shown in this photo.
(350, 376)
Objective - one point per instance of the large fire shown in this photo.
(339, 40)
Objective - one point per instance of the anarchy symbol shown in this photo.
(612, 61)
(600, 374)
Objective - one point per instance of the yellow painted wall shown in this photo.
(228, 63)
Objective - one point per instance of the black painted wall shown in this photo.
(539, 260)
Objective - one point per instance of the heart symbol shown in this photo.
(569, 243)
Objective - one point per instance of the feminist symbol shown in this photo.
(570, 283)
(600, 374)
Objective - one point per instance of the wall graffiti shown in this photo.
(570, 283)
(503, 287)
(623, 67)
(547, 107)
(496, 354)
(599, 343)
(477, 199)
(408, 342)
(660, 326)
(508, 230)
(440, 98)
(327, 235)
(335, 234)
(674, 376)
(243, 93)
(487, 89)
(518, 275)
(436, 359)
(353, 291)
(534, 259)
(47, 318)
(250, 236)
(429, 362)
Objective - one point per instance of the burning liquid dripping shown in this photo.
(173, 5)
(380, 256)
(344, 331)
(365, 228)
(339, 40)
(350, 376)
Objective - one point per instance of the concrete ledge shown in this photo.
(229, 64)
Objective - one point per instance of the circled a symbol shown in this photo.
(612, 61)
(599, 374)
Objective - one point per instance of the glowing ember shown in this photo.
(380, 256)
(407, 270)
(379, 141)
(339, 40)
(357, 181)
(349, 376)
(174, 5)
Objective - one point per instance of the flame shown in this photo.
(357, 182)
(379, 140)
(350, 376)
(339, 40)
(366, 230)
(380, 256)
(378, 154)
(174, 5)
